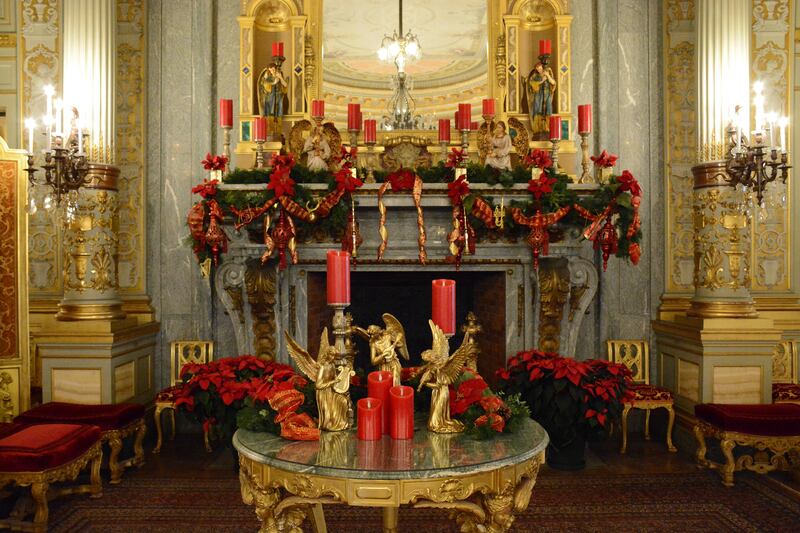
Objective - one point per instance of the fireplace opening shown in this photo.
(407, 295)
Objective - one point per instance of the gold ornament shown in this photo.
(441, 370)
(385, 344)
(332, 382)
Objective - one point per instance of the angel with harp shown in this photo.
(441, 371)
(385, 344)
(332, 382)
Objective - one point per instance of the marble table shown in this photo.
(483, 482)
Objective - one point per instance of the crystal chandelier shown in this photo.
(400, 49)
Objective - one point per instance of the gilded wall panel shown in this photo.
(9, 274)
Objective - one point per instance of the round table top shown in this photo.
(341, 454)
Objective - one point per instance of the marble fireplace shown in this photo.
(517, 306)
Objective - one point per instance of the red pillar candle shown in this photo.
(378, 385)
(456, 120)
(464, 116)
(370, 131)
(488, 106)
(260, 129)
(401, 411)
(555, 127)
(225, 113)
(338, 277)
(318, 108)
(443, 305)
(444, 130)
(474, 126)
(353, 116)
(277, 49)
(545, 47)
(370, 419)
(585, 118)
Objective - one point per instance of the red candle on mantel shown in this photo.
(464, 116)
(370, 131)
(378, 385)
(317, 108)
(488, 106)
(401, 411)
(338, 277)
(585, 118)
(555, 127)
(443, 305)
(456, 121)
(544, 47)
(474, 126)
(225, 113)
(444, 130)
(277, 49)
(260, 129)
(353, 116)
(370, 419)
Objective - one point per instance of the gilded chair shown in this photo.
(635, 354)
(181, 353)
(785, 388)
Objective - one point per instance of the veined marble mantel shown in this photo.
(543, 308)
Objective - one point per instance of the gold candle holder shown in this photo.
(370, 163)
(445, 147)
(554, 153)
(342, 328)
(260, 154)
(226, 147)
(465, 141)
(586, 176)
(353, 138)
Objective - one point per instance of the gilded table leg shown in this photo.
(39, 495)
(390, 519)
(671, 447)
(206, 442)
(138, 448)
(115, 443)
(172, 419)
(159, 433)
(700, 454)
(317, 518)
(727, 446)
(647, 424)
(96, 482)
(624, 428)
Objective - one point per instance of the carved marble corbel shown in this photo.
(583, 287)
(229, 285)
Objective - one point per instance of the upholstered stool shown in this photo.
(40, 454)
(116, 421)
(768, 428)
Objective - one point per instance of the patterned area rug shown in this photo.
(585, 501)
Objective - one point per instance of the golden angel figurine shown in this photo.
(441, 370)
(386, 345)
(331, 382)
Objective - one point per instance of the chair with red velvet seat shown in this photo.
(785, 388)
(37, 455)
(182, 353)
(116, 422)
(767, 428)
(635, 354)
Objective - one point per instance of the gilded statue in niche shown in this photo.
(272, 90)
(540, 88)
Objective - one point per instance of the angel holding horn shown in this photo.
(441, 371)
(386, 345)
(332, 382)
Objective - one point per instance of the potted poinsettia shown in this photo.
(573, 400)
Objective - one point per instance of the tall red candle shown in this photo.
(318, 108)
(545, 47)
(585, 118)
(370, 419)
(443, 305)
(464, 116)
(444, 130)
(456, 120)
(260, 129)
(225, 113)
(370, 131)
(338, 277)
(277, 49)
(353, 116)
(401, 409)
(474, 126)
(488, 106)
(378, 385)
(555, 127)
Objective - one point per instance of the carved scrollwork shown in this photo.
(554, 285)
(261, 287)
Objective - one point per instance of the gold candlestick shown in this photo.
(353, 138)
(465, 141)
(370, 163)
(226, 147)
(445, 148)
(554, 153)
(586, 176)
(260, 154)
(345, 357)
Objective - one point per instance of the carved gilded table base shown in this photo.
(114, 438)
(770, 453)
(479, 502)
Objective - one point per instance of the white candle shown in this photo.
(59, 118)
(784, 121)
(31, 125)
(79, 126)
(48, 92)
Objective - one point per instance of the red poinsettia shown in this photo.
(348, 157)
(628, 183)
(281, 182)
(347, 181)
(493, 420)
(207, 189)
(605, 159)
(538, 158)
(468, 393)
(458, 189)
(216, 162)
(401, 180)
(541, 186)
(455, 158)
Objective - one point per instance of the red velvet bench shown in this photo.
(116, 421)
(772, 430)
(37, 455)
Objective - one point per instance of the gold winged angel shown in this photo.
(441, 371)
(386, 345)
(331, 382)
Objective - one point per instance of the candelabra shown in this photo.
(65, 170)
(585, 177)
(755, 166)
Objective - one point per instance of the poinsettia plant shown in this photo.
(566, 396)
